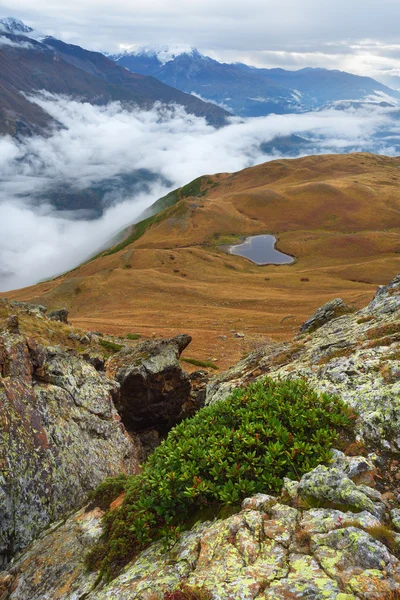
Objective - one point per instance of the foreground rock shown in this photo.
(356, 356)
(274, 548)
(154, 389)
(60, 436)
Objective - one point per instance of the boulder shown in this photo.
(37, 310)
(153, 386)
(60, 436)
(324, 314)
(59, 315)
(386, 299)
(330, 485)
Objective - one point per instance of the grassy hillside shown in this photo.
(338, 215)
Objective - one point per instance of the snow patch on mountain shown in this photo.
(11, 25)
(163, 54)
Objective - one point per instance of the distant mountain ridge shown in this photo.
(28, 65)
(252, 91)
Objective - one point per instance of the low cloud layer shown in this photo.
(5, 41)
(97, 143)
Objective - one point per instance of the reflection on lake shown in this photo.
(260, 249)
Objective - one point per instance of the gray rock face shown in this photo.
(59, 315)
(387, 298)
(154, 388)
(60, 436)
(335, 487)
(324, 314)
(35, 309)
(355, 356)
(268, 550)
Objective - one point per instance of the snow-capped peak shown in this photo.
(163, 54)
(11, 25)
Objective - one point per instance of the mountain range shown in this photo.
(249, 91)
(30, 65)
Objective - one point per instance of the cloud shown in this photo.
(5, 41)
(100, 142)
(300, 32)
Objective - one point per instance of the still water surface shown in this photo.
(260, 249)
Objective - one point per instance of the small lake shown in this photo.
(260, 249)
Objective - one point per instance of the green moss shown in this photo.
(111, 346)
(206, 364)
(254, 438)
(133, 336)
(108, 491)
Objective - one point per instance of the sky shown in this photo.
(360, 36)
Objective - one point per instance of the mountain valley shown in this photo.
(170, 273)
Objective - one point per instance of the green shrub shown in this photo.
(133, 336)
(110, 346)
(240, 446)
(206, 364)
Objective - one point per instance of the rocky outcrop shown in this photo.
(324, 314)
(60, 436)
(37, 310)
(355, 356)
(154, 388)
(273, 548)
(59, 315)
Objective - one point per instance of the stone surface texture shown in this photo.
(324, 314)
(274, 547)
(60, 436)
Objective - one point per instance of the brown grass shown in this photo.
(338, 251)
(383, 331)
(303, 538)
(336, 354)
(386, 373)
(365, 319)
(383, 534)
(356, 449)
(384, 341)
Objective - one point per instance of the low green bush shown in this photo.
(110, 346)
(206, 364)
(240, 446)
(133, 336)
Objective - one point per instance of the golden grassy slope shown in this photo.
(339, 215)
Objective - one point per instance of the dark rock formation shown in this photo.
(12, 324)
(59, 315)
(324, 314)
(153, 386)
